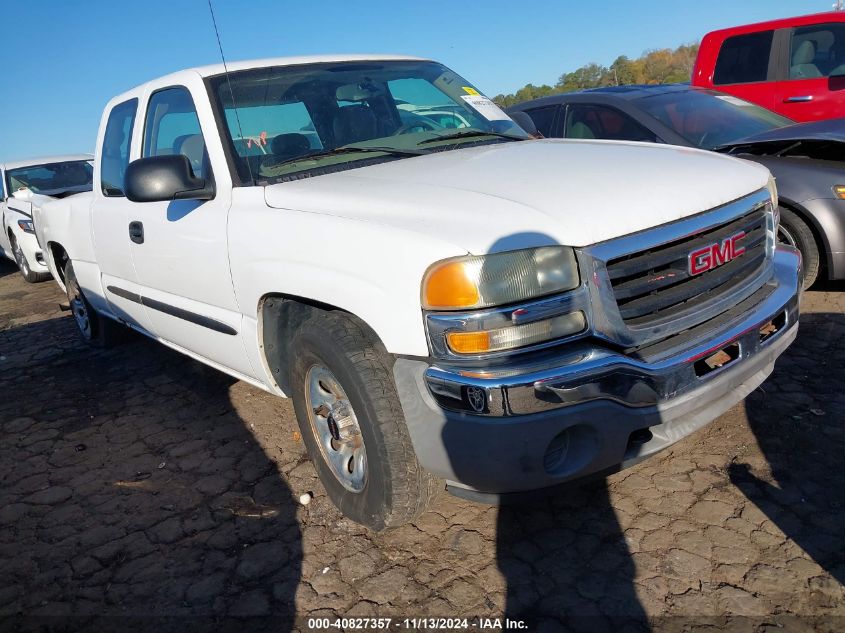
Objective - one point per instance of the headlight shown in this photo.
(839, 191)
(485, 305)
(491, 280)
(26, 226)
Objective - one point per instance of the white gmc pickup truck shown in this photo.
(454, 305)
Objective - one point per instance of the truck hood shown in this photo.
(520, 194)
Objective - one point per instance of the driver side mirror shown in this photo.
(165, 178)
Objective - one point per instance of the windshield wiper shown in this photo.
(352, 149)
(471, 133)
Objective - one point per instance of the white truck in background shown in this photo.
(446, 306)
(30, 183)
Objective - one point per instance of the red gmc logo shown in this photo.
(714, 255)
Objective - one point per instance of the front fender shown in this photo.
(371, 270)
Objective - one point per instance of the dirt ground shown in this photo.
(140, 488)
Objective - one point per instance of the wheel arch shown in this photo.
(816, 229)
(279, 316)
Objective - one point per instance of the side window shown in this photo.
(544, 119)
(744, 59)
(2, 189)
(114, 156)
(604, 122)
(817, 51)
(172, 127)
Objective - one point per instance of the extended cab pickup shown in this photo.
(461, 305)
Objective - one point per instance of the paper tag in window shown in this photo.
(485, 107)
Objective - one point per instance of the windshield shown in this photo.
(294, 119)
(51, 179)
(709, 119)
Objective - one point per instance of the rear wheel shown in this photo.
(96, 329)
(23, 264)
(795, 232)
(353, 425)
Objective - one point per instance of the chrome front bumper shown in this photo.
(587, 407)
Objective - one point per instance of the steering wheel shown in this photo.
(422, 124)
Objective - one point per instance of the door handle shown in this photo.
(136, 232)
(799, 99)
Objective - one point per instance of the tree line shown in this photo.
(652, 67)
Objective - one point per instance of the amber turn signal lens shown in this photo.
(469, 342)
(449, 286)
(839, 190)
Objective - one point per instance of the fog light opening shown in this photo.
(771, 328)
(723, 357)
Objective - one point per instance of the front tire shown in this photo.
(29, 275)
(96, 330)
(795, 232)
(353, 425)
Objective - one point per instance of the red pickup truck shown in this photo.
(794, 66)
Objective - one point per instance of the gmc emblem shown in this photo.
(714, 255)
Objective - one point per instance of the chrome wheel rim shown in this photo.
(786, 237)
(79, 309)
(20, 259)
(336, 429)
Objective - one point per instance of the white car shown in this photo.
(28, 183)
(460, 307)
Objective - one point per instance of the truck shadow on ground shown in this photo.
(566, 563)
(797, 418)
(132, 489)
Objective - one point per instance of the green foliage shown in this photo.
(652, 67)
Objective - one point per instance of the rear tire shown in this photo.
(29, 275)
(335, 346)
(95, 329)
(795, 232)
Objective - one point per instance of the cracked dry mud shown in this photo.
(135, 481)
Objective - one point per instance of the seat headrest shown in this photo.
(353, 124)
(192, 146)
(289, 145)
(804, 54)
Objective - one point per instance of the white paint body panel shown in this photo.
(362, 239)
(575, 192)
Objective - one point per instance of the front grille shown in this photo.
(654, 286)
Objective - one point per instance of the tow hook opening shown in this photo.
(723, 357)
(636, 441)
(771, 328)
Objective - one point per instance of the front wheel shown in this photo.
(793, 231)
(23, 264)
(353, 425)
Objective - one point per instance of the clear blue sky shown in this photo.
(62, 60)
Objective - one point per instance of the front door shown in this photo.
(180, 253)
(813, 87)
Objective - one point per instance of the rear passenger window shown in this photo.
(817, 51)
(2, 191)
(114, 156)
(587, 121)
(544, 119)
(744, 59)
(172, 127)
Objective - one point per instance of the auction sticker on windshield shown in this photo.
(485, 107)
